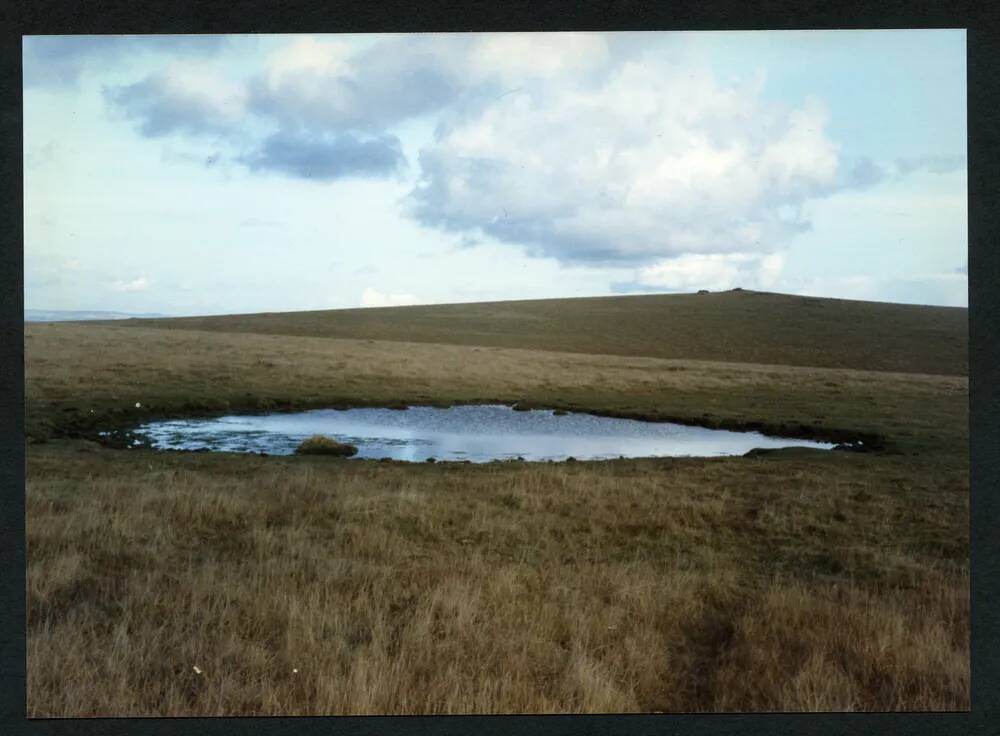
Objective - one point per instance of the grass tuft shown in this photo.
(321, 445)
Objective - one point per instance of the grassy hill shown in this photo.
(732, 326)
(186, 583)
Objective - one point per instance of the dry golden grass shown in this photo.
(790, 581)
(590, 587)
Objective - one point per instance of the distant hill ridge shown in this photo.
(737, 326)
(65, 315)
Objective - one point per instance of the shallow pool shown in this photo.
(478, 433)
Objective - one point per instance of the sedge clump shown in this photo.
(321, 445)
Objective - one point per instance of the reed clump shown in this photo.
(321, 445)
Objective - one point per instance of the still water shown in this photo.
(478, 433)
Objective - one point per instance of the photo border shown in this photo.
(253, 16)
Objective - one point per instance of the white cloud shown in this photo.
(308, 54)
(651, 161)
(326, 86)
(372, 297)
(515, 56)
(714, 271)
(138, 284)
(594, 149)
(598, 150)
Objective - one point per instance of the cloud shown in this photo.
(138, 284)
(713, 271)
(573, 146)
(372, 297)
(60, 60)
(865, 174)
(182, 98)
(308, 85)
(328, 86)
(326, 158)
(324, 86)
(587, 148)
(931, 164)
(646, 163)
(327, 106)
(528, 57)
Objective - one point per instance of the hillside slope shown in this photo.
(732, 326)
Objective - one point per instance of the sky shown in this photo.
(221, 174)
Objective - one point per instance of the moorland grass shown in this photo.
(792, 580)
(737, 326)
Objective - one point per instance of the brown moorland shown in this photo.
(737, 326)
(791, 580)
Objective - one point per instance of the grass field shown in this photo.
(794, 580)
(738, 326)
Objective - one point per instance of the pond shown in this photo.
(478, 433)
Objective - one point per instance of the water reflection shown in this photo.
(476, 433)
